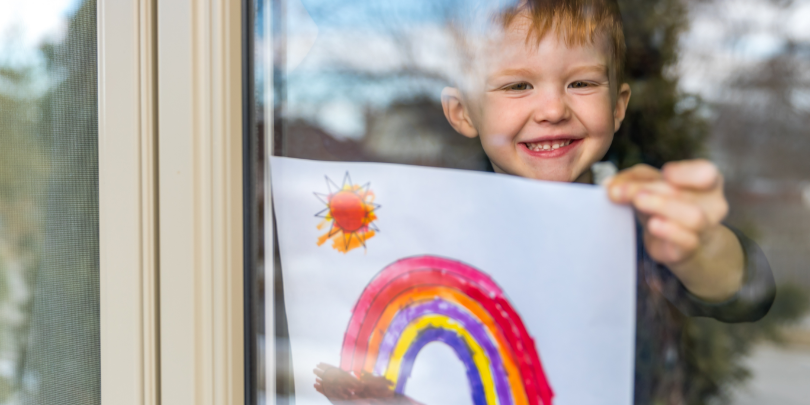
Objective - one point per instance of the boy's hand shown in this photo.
(680, 208)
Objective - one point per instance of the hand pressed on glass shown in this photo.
(681, 208)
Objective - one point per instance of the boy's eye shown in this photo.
(519, 86)
(579, 85)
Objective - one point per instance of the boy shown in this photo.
(549, 103)
(548, 109)
(551, 100)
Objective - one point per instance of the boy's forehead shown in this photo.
(514, 48)
(513, 52)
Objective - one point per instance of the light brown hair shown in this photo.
(577, 22)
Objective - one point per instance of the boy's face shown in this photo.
(546, 112)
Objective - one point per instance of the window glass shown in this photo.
(725, 81)
(49, 266)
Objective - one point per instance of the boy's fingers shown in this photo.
(669, 231)
(688, 215)
(624, 186)
(698, 174)
(638, 172)
(627, 191)
(623, 191)
(659, 187)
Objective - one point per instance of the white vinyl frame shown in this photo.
(128, 203)
(170, 194)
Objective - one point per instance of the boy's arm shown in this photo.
(681, 208)
(749, 304)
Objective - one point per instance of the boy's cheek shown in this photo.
(497, 118)
(500, 152)
(495, 143)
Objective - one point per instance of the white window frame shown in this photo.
(170, 196)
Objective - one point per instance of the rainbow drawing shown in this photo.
(425, 299)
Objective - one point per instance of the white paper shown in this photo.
(562, 254)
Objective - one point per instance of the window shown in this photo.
(361, 81)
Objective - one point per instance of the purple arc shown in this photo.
(440, 306)
(452, 339)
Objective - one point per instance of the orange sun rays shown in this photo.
(349, 213)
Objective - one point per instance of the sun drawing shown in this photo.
(349, 213)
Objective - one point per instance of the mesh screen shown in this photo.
(49, 256)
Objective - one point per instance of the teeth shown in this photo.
(548, 145)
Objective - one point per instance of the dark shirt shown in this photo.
(661, 307)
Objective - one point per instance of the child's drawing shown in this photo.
(349, 213)
(374, 328)
(426, 299)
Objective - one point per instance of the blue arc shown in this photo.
(463, 352)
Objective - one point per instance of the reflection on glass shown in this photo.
(348, 102)
(340, 386)
(49, 336)
(726, 80)
(747, 62)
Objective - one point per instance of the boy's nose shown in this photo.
(551, 108)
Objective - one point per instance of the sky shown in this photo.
(726, 36)
(25, 24)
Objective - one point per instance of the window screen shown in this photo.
(49, 257)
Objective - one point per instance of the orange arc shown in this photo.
(428, 293)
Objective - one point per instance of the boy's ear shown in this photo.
(456, 112)
(620, 110)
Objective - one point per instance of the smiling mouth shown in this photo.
(543, 146)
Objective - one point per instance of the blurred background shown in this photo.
(727, 80)
(49, 300)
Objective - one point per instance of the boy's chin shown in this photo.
(560, 173)
(564, 176)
